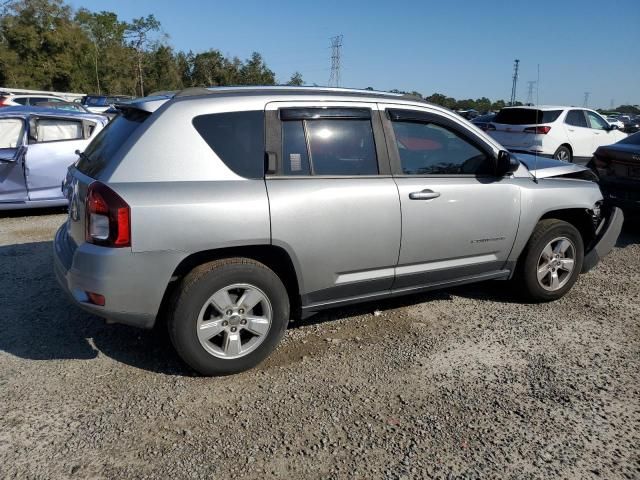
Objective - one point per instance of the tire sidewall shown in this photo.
(563, 148)
(183, 324)
(530, 264)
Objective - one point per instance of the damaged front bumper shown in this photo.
(606, 238)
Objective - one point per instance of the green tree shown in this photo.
(255, 72)
(138, 33)
(296, 80)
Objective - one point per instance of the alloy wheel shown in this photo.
(556, 264)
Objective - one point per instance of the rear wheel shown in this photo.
(563, 154)
(551, 261)
(228, 316)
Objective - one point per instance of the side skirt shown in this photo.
(317, 306)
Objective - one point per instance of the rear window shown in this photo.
(108, 141)
(95, 101)
(526, 116)
(237, 138)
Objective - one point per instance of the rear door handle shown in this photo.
(425, 194)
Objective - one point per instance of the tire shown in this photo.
(563, 154)
(201, 308)
(557, 235)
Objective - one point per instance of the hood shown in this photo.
(542, 167)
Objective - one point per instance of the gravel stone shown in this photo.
(464, 383)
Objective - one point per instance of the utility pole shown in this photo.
(586, 99)
(531, 84)
(515, 81)
(336, 45)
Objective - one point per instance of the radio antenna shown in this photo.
(535, 152)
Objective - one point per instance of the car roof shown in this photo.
(152, 103)
(25, 112)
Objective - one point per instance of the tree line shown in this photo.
(46, 45)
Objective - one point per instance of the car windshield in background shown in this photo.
(95, 101)
(526, 116)
(108, 141)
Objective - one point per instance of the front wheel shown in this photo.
(228, 316)
(551, 261)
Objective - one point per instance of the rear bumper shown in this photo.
(623, 193)
(606, 239)
(133, 284)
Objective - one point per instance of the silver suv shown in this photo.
(229, 210)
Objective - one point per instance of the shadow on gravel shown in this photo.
(38, 322)
(630, 234)
(32, 212)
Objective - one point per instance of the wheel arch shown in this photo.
(579, 218)
(274, 257)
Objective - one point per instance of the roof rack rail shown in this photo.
(192, 91)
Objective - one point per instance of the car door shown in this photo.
(459, 220)
(53, 142)
(602, 133)
(334, 205)
(12, 180)
(579, 134)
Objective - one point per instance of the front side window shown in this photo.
(576, 118)
(11, 132)
(52, 130)
(431, 149)
(237, 138)
(329, 146)
(596, 122)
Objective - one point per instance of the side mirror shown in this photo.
(506, 164)
(613, 127)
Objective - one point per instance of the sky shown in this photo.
(463, 49)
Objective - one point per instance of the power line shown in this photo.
(586, 99)
(515, 81)
(336, 45)
(531, 84)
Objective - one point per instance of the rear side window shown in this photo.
(526, 116)
(109, 140)
(576, 118)
(21, 101)
(237, 138)
(329, 146)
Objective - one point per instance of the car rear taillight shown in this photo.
(542, 130)
(108, 217)
(4, 101)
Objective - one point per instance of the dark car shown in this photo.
(483, 120)
(632, 125)
(618, 167)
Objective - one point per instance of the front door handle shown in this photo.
(425, 194)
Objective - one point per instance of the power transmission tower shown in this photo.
(586, 99)
(531, 84)
(515, 81)
(336, 45)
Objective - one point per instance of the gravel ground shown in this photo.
(464, 383)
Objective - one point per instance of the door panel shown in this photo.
(12, 181)
(46, 167)
(468, 229)
(579, 134)
(344, 233)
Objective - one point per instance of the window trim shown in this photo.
(274, 146)
(419, 116)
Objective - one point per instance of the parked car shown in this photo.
(564, 133)
(37, 145)
(615, 121)
(227, 209)
(632, 125)
(72, 106)
(618, 167)
(100, 103)
(10, 100)
(483, 121)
